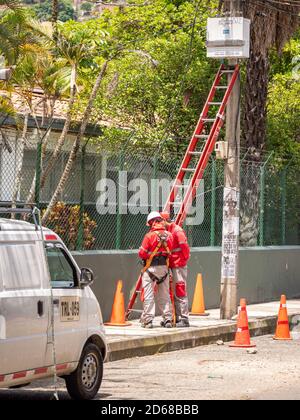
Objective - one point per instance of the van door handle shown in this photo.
(40, 308)
(55, 301)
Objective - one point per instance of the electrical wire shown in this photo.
(275, 8)
(284, 3)
(186, 69)
(187, 66)
(281, 25)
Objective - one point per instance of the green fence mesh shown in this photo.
(269, 200)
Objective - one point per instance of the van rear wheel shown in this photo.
(85, 381)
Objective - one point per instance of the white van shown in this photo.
(29, 321)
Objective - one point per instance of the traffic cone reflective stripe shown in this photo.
(198, 306)
(118, 310)
(283, 329)
(242, 337)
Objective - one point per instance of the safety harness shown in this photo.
(163, 237)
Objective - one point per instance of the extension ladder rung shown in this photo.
(227, 71)
(215, 103)
(188, 169)
(209, 119)
(195, 153)
(202, 136)
(221, 87)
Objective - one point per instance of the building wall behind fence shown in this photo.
(265, 273)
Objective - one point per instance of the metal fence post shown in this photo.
(262, 206)
(262, 200)
(119, 215)
(38, 170)
(213, 203)
(80, 236)
(283, 206)
(155, 205)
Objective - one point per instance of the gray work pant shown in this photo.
(162, 295)
(180, 284)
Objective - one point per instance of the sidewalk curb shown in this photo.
(192, 337)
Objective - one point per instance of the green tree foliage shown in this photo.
(66, 12)
(86, 6)
(284, 104)
(160, 76)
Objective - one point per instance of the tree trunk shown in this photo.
(44, 139)
(61, 140)
(249, 211)
(254, 138)
(20, 158)
(76, 144)
(54, 18)
(57, 148)
(255, 102)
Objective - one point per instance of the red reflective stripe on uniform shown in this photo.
(61, 367)
(19, 375)
(283, 322)
(39, 371)
(145, 250)
(176, 250)
(2, 378)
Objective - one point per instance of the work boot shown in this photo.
(166, 324)
(147, 325)
(183, 323)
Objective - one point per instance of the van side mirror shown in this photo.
(86, 277)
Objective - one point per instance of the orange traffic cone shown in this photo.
(198, 307)
(118, 310)
(242, 337)
(283, 329)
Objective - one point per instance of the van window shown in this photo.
(62, 271)
(20, 266)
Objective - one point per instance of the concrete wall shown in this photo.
(265, 273)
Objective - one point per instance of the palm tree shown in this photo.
(76, 144)
(272, 25)
(54, 17)
(69, 55)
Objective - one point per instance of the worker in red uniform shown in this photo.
(178, 263)
(155, 252)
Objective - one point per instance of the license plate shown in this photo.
(69, 309)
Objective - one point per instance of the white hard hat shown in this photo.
(153, 215)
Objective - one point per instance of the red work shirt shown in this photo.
(181, 250)
(151, 240)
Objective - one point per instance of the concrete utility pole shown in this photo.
(231, 204)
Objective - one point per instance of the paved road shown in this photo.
(209, 372)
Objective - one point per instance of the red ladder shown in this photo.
(204, 154)
(207, 141)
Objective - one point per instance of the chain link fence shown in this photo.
(108, 195)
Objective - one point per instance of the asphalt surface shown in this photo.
(207, 372)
